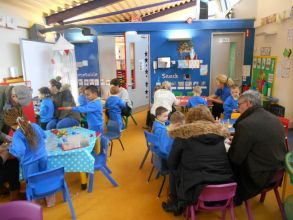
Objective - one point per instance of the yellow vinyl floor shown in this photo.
(134, 198)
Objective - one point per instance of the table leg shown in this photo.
(97, 145)
(83, 181)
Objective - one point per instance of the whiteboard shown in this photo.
(36, 63)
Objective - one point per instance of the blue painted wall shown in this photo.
(200, 31)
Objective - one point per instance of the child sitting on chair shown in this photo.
(93, 109)
(114, 105)
(46, 112)
(231, 103)
(196, 99)
(28, 145)
(160, 129)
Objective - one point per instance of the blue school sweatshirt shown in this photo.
(196, 100)
(223, 93)
(82, 99)
(94, 114)
(46, 112)
(114, 106)
(20, 147)
(165, 142)
(229, 105)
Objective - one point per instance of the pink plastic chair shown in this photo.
(275, 183)
(20, 210)
(222, 193)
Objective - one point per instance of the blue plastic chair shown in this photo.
(100, 163)
(113, 132)
(46, 183)
(149, 145)
(34, 167)
(157, 161)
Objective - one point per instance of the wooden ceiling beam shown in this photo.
(169, 11)
(77, 10)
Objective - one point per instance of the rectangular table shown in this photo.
(76, 160)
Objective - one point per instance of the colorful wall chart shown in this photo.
(264, 74)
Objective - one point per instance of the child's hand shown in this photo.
(65, 108)
(4, 147)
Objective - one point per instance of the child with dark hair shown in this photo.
(93, 109)
(114, 105)
(160, 130)
(28, 143)
(46, 112)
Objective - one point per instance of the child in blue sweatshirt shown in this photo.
(28, 145)
(46, 111)
(196, 99)
(231, 103)
(164, 146)
(82, 99)
(114, 106)
(93, 109)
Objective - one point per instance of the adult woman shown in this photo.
(62, 97)
(12, 96)
(222, 93)
(165, 98)
(197, 158)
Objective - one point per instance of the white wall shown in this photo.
(9, 38)
(278, 42)
(245, 9)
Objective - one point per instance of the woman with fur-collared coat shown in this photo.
(198, 157)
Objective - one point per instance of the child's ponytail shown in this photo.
(13, 117)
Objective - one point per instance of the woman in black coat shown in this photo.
(198, 158)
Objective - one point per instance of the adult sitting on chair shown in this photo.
(197, 158)
(258, 148)
(62, 97)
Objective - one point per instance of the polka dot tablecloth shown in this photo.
(76, 160)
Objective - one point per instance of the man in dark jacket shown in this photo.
(258, 148)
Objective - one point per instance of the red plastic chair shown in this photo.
(275, 183)
(222, 193)
(285, 123)
(20, 210)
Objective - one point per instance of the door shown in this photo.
(107, 63)
(137, 68)
(227, 57)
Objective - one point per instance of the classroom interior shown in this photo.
(144, 43)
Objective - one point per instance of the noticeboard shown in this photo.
(264, 74)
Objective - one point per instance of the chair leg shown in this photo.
(90, 189)
(125, 119)
(192, 212)
(162, 186)
(224, 214)
(144, 158)
(69, 201)
(232, 213)
(262, 197)
(121, 143)
(111, 145)
(248, 210)
(187, 213)
(281, 207)
(133, 119)
(104, 171)
(152, 170)
(284, 186)
(108, 169)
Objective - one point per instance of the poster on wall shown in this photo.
(204, 70)
(180, 85)
(263, 78)
(188, 85)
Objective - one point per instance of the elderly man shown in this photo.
(258, 148)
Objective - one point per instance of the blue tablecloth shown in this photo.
(77, 160)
